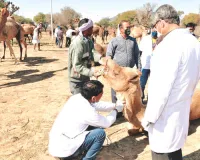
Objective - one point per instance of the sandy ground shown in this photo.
(32, 94)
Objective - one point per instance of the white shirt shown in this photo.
(56, 31)
(146, 48)
(68, 131)
(175, 70)
(69, 33)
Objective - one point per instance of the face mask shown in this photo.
(154, 34)
(127, 32)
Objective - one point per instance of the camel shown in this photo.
(98, 34)
(125, 81)
(10, 30)
(29, 29)
(100, 49)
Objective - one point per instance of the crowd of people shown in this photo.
(170, 58)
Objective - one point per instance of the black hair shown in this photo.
(121, 23)
(191, 25)
(83, 21)
(91, 88)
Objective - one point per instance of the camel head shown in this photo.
(4, 13)
(119, 78)
(137, 31)
(100, 48)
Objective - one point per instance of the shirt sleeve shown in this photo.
(97, 120)
(77, 62)
(104, 106)
(136, 55)
(161, 82)
(110, 49)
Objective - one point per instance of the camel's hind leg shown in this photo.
(11, 50)
(4, 49)
(25, 46)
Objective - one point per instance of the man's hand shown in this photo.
(97, 72)
(120, 105)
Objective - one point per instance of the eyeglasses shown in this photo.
(157, 22)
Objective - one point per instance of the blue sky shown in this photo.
(97, 9)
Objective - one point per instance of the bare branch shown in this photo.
(13, 9)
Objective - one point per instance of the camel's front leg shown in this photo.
(11, 50)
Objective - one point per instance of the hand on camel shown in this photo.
(96, 72)
(120, 105)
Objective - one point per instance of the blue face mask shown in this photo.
(154, 34)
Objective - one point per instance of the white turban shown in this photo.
(85, 26)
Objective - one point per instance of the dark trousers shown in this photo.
(56, 41)
(68, 41)
(177, 155)
(60, 42)
(113, 96)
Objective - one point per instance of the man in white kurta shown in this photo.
(175, 70)
(69, 135)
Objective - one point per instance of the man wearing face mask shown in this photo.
(175, 72)
(71, 134)
(123, 49)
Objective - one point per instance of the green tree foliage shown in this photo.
(104, 22)
(128, 15)
(22, 19)
(191, 17)
(66, 17)
(40, 18)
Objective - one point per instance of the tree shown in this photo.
(180, 13)
(21, 19)
(68, 15)
(144, 14)
(128, 15)
(191, 18)
(104, 22)
(40, 18)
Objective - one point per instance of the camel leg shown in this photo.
(4, 49)
(21, 49)
(25, 46)
(11, 50)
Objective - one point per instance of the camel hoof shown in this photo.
(133, 132)
(3, 57)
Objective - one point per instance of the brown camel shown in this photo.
(100, 49)
(125, 81)
(29, 29)
(98, 33)
(10, 30)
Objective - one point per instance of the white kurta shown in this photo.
(175, 70)
(146, 48)
(69, 129)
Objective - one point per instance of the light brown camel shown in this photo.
(10, 30)
(98, 34)
(29, 29)
(125, 81)
(100, 49)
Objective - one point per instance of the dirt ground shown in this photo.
(32, 94)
